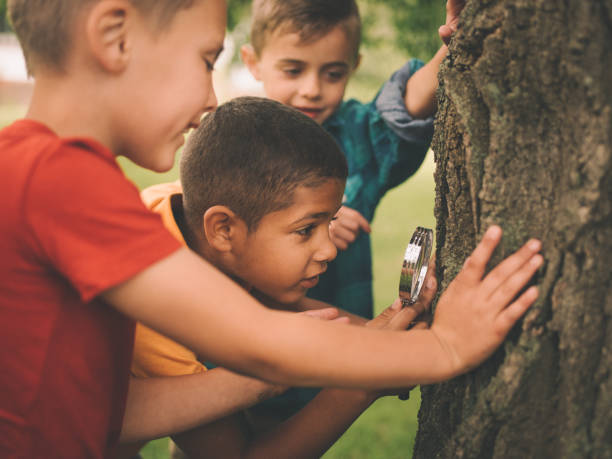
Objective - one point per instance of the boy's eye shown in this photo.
(335, 76)
(292, 71)
(306, 231)
(209, 65)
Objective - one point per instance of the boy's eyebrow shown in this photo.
(299, 62)
(290, 61)
(315, 216)
(336, 64)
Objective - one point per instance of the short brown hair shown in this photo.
(311, 19)
(250, 154)
(45, 27)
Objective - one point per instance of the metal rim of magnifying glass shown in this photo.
(415, 264)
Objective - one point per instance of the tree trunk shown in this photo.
(524, 139)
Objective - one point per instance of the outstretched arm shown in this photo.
(188, 300)
(421, 87)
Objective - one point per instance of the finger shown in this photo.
(513, 284)
(339, 243)
(420, 325)
(341, 320)
(323, 314)
(348, 223)
(445, 34)
(403, 319)
(397, 304)
(382, 319)
(508, 317)
(510, 266)
(474, 267)
(344, 234)
(430, 287)
(364, 224)
(357, 220)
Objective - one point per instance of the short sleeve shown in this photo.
(157, 355)
(87, 221)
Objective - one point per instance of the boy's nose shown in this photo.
(327, 251)
(311, 87)
(211, 102)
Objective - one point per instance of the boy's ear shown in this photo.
(250, 59)
(106, 31)
(223, 229)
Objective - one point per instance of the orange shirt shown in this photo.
(156, 354)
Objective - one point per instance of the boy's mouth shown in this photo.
(311, 112)
(310, 282)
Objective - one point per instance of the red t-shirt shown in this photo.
(71, 226)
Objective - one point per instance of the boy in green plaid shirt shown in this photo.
(304, 52)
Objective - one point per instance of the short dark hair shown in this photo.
(250, 154)
(311, 19)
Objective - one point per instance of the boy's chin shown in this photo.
(288, 300)
(162, 164)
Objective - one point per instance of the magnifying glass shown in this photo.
(414, 266)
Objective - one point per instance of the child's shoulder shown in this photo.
(43, 170)
(155, 194)
(30, 139)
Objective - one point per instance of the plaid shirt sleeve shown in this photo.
(382, 143)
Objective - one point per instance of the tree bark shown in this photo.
(524, 139)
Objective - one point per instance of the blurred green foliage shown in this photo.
(3, 20)
(237, 10)
(415, 23)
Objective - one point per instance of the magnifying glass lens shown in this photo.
(414, 266)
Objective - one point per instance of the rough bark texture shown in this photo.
(524, 139)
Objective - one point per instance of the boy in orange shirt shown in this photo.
(81, 257)
(258, 207)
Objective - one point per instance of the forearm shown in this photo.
(370, 360)
(421, 88)
(315, 428)
(161, 406)
(224, 324)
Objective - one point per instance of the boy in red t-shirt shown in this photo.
(79, 252)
